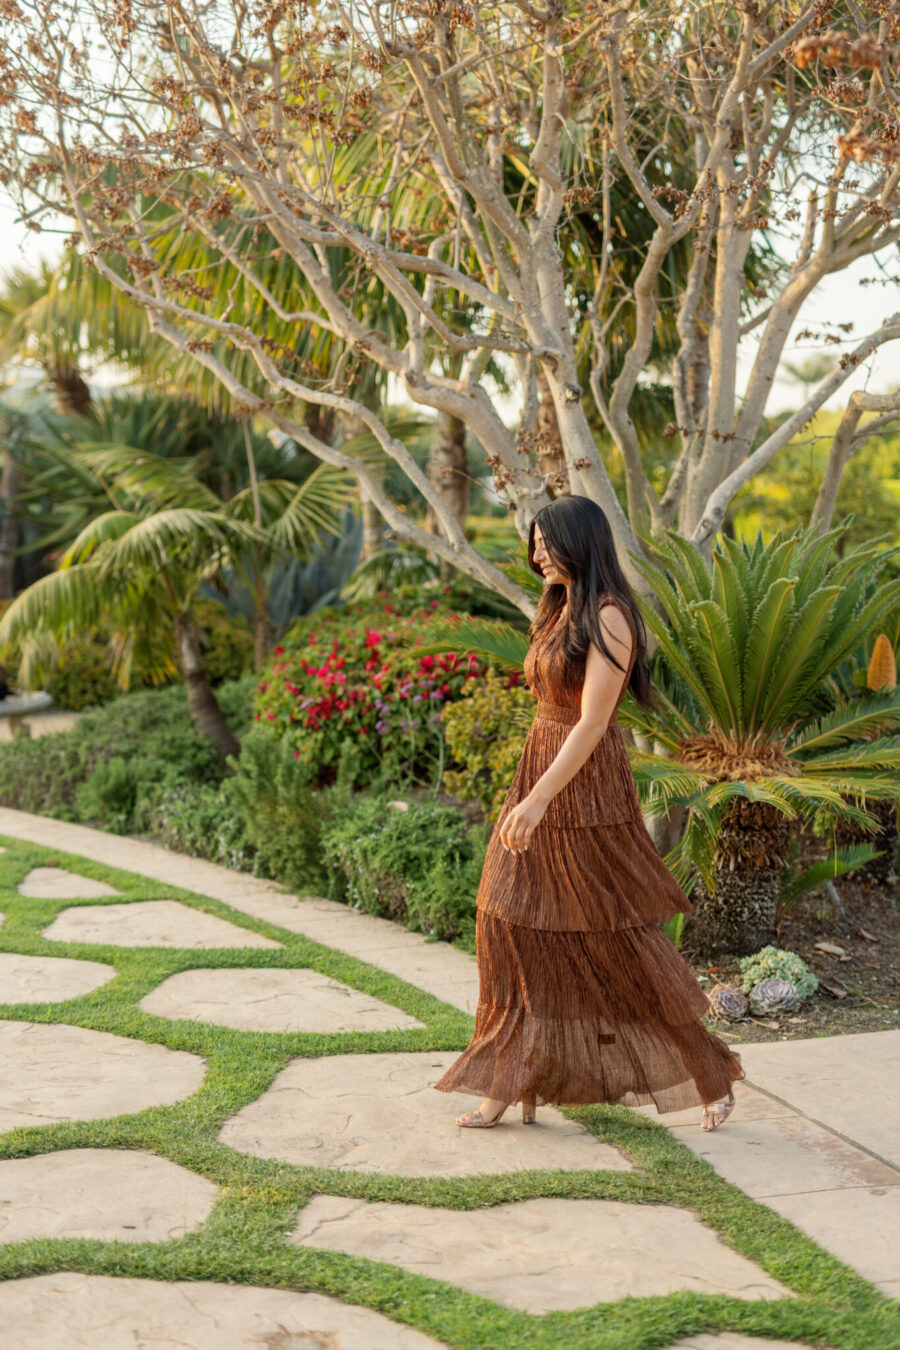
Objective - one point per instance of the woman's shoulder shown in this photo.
(616, 618)
(609, 605)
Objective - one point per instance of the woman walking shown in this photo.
(582, 998)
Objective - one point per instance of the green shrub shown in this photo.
(485, 732)
(151, 735)
(421, 865)
(204, 820)
(774, 963)
(82, 677)
(283, 813)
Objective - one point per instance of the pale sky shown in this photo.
(838, 299)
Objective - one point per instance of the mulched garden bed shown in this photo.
(859, 985)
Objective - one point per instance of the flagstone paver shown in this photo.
(48, 979)
(800, 1157)
(55, 883)
(63, 1312)
(860, 1226)
(150, 923)
(272, 1000)
(851, 1084)
(542, 1255)
(117, 1195)
(50, 1072)
(379, 1113)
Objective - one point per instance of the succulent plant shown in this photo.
(728, 1002)
(774, 995)
(778, 964)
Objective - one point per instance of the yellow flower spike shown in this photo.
(882, 672)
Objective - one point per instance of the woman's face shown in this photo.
(542, 559)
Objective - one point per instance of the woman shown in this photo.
(582, 998)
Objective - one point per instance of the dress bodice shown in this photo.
(544, 666)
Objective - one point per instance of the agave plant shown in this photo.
(749, 735)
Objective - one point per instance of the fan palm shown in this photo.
(751, 734)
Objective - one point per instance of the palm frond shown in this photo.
(498, 642)
(838, 864)
(389, 567)
(883, 753)
(180, 537)
(63, 604)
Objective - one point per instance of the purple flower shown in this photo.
(417, 698)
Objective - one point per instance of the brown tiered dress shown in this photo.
(582, 997)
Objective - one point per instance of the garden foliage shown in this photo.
(351, 676)
(485, 731)
(421, 865)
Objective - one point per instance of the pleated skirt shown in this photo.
(582, 997)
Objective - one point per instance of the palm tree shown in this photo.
(135, 570)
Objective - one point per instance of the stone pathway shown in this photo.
(271, 1000)
(55, 883)
(379, 1113)
(150, 923)
(796, 1141)
(50, 1073)
(64, 1312)
(437, 968)
(48, 979)
(115, 1195)
(541, 1255)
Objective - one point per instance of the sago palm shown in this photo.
(751, 734)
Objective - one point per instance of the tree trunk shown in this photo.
(373, 524)
(72, 392)
(548, 443)
(207, 715)
(9, 529)
(739, 916)
(448, 471)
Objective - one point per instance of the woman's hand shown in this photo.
(521, 823)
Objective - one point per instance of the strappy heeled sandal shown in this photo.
(716, 1113)
(474, 1120)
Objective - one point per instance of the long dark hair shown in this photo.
(578, 538)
